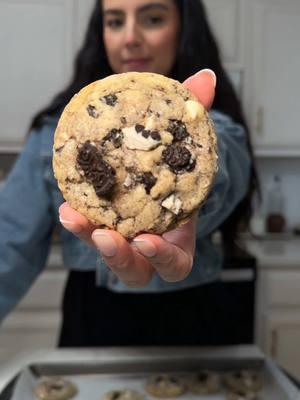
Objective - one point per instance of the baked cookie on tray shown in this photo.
(135, 152)
(123, 394)
(165, 386)
(244, 380)
(205, 382)
(55, 388)
(241, 395)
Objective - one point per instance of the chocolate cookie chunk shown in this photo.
(135, 152)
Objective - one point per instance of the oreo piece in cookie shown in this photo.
(135, 152)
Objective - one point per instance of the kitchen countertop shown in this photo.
(274, 253)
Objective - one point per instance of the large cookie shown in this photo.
(205, 382)
(244, 380)
(241, 395)
(135, 152)
(165, 386)
(55, 388)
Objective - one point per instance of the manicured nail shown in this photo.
(210, 72)
(71, 226)
(145, 247)
(105, 244)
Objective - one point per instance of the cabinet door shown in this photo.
(226, 20)
(38, 40)
(272, 75)
(29, 329)
(283, 340)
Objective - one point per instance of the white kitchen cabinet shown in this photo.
(38, 42)
(226, 19)
(35, 322)
(277, 311)
(282, 340)
(272, 85)
(278, 315)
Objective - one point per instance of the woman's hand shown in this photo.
(171, 254)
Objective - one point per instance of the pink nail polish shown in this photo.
(145, 247)
(210, 72)
(105, 244)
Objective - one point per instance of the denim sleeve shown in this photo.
(25, 225)
(232, 178)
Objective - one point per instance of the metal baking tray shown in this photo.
(97, 371)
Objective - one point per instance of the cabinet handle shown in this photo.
(260, 121)
(274, 340)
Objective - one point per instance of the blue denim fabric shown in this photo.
(29, 205)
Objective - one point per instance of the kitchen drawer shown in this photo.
(29, 330)
(30, 321)
(46, 292)
(282, 288)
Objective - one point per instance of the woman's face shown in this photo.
(141, 35)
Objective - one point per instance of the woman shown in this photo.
(145, 292)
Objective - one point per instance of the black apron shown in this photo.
(205, 315)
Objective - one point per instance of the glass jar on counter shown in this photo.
(275, 220)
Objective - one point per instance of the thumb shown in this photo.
(203, 85)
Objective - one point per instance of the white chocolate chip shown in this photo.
(166, 137)
(136, 141)
(172, 203)
(194, 109)
(128, 181)
(150, 123)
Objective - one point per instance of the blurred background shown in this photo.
(259, 41)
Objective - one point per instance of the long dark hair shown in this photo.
(197, 49)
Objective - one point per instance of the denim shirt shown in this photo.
(30, 199)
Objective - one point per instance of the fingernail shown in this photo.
(210, 72)
(145, 247)
(75, 228)
(105, 244)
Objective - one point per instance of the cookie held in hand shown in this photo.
(135, 152)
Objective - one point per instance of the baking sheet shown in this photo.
(93, 387)
(95, 372)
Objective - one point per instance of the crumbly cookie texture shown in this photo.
(165, 386)
(205, 382)
(135, 152)
(241, 395)
(55, 388)
(244, 380)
